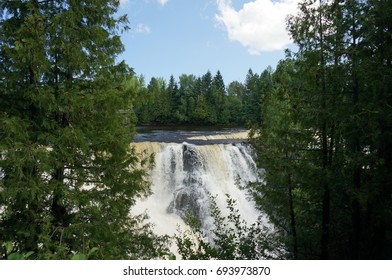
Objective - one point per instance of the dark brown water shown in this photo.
(192, 135)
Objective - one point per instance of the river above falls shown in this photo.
(191, 135)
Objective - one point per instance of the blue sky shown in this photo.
(193, 36)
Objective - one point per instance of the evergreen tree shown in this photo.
(280, 143)
(69, 176)
(173, 92)
(252, 98)
(158, 106)
(236, 93)
(219, 99)
(186, 97)
(323, 142)
(200, 114)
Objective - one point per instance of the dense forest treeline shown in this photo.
(200, 100)
(321, 127)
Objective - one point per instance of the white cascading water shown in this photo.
(185, 174)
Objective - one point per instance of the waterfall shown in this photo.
(185, 174)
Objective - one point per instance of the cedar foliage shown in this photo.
(68, 175)
(325, 139)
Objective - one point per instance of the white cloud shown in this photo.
(142, 28)
(162, 2)
(259, 25)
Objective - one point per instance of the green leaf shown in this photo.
(27, 255)
(15, 256)
(92, 251)
(79, 257)
(8, 247)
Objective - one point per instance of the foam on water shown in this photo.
(185, 174)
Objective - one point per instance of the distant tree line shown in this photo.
(201, 100)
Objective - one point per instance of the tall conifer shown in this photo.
(68, 174)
